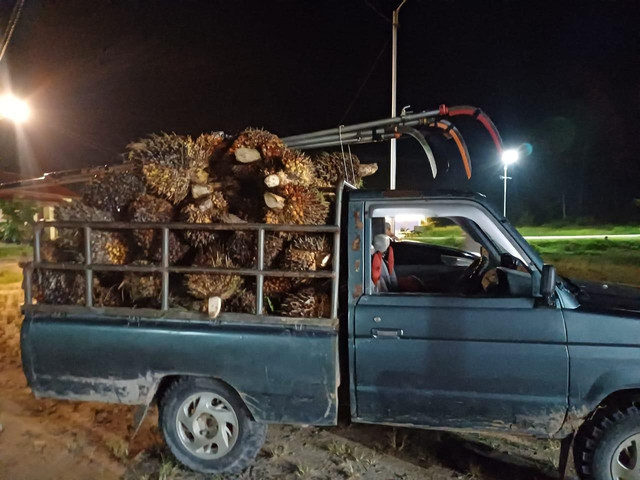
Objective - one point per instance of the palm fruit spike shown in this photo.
(113, 191)
(306, 303)
(201, 150)
(313, 242)
(205, 285)
(219, 206)
(268, 144)
(148, 208)
(243, 301)
(319, 244)
(303, 206)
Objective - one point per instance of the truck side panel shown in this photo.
(283, 373)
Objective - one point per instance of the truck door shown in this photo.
(446, 348)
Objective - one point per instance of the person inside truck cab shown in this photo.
(463, 264)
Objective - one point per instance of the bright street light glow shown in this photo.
(14, 109)
(510, 156)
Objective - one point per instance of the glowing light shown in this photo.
(14, 109)
(510, 156)
(409, 217)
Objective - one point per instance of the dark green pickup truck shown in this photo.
(473, 333)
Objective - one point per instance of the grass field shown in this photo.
(13, 251)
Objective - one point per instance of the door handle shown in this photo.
(386, 333)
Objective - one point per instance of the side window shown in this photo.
(415, 252)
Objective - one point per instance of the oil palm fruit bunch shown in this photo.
(213, 208)
(242, 248)
(106, 295)
(113, 191)
(294, 167)
(300, 260)
(55, 251)
(148, 209)
(203, 148)
(273, 247)
(57, 287)
(277, 285)
(307, 302)
(205, 285)
(297, 205)
(167, 162)
(243, 301)
(331, 168)
(319, 244)
(142, 287)
(167, 182)
(77, 211)
(177, 249)
(108, 248)
(256, 140)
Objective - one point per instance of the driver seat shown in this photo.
(382, 270)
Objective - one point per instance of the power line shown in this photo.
(364, 82)
(11, 26)
(378, 12)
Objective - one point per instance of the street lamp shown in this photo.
(14, 109)
(509, 157)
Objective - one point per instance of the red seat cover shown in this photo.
(376, 267)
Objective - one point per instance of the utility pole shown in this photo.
(394, 81)
(505, 177)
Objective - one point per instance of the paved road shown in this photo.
(629, 236)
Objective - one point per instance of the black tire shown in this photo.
(248, 441)
(598, 440)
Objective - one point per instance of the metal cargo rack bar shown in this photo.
(88, 267)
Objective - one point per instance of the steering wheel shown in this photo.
(470, 280)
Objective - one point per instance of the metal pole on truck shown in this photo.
(394, 81)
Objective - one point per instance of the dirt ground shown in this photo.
(51, 440)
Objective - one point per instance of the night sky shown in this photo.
(562, 76)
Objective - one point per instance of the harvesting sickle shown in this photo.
(412, 132)
(450, 129)
(479, 115)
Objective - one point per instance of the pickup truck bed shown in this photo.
(284, 372)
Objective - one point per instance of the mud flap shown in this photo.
(565, 448)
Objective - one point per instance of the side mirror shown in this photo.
(548, 283)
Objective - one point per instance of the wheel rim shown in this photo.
(207, 425)
(625, 464)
